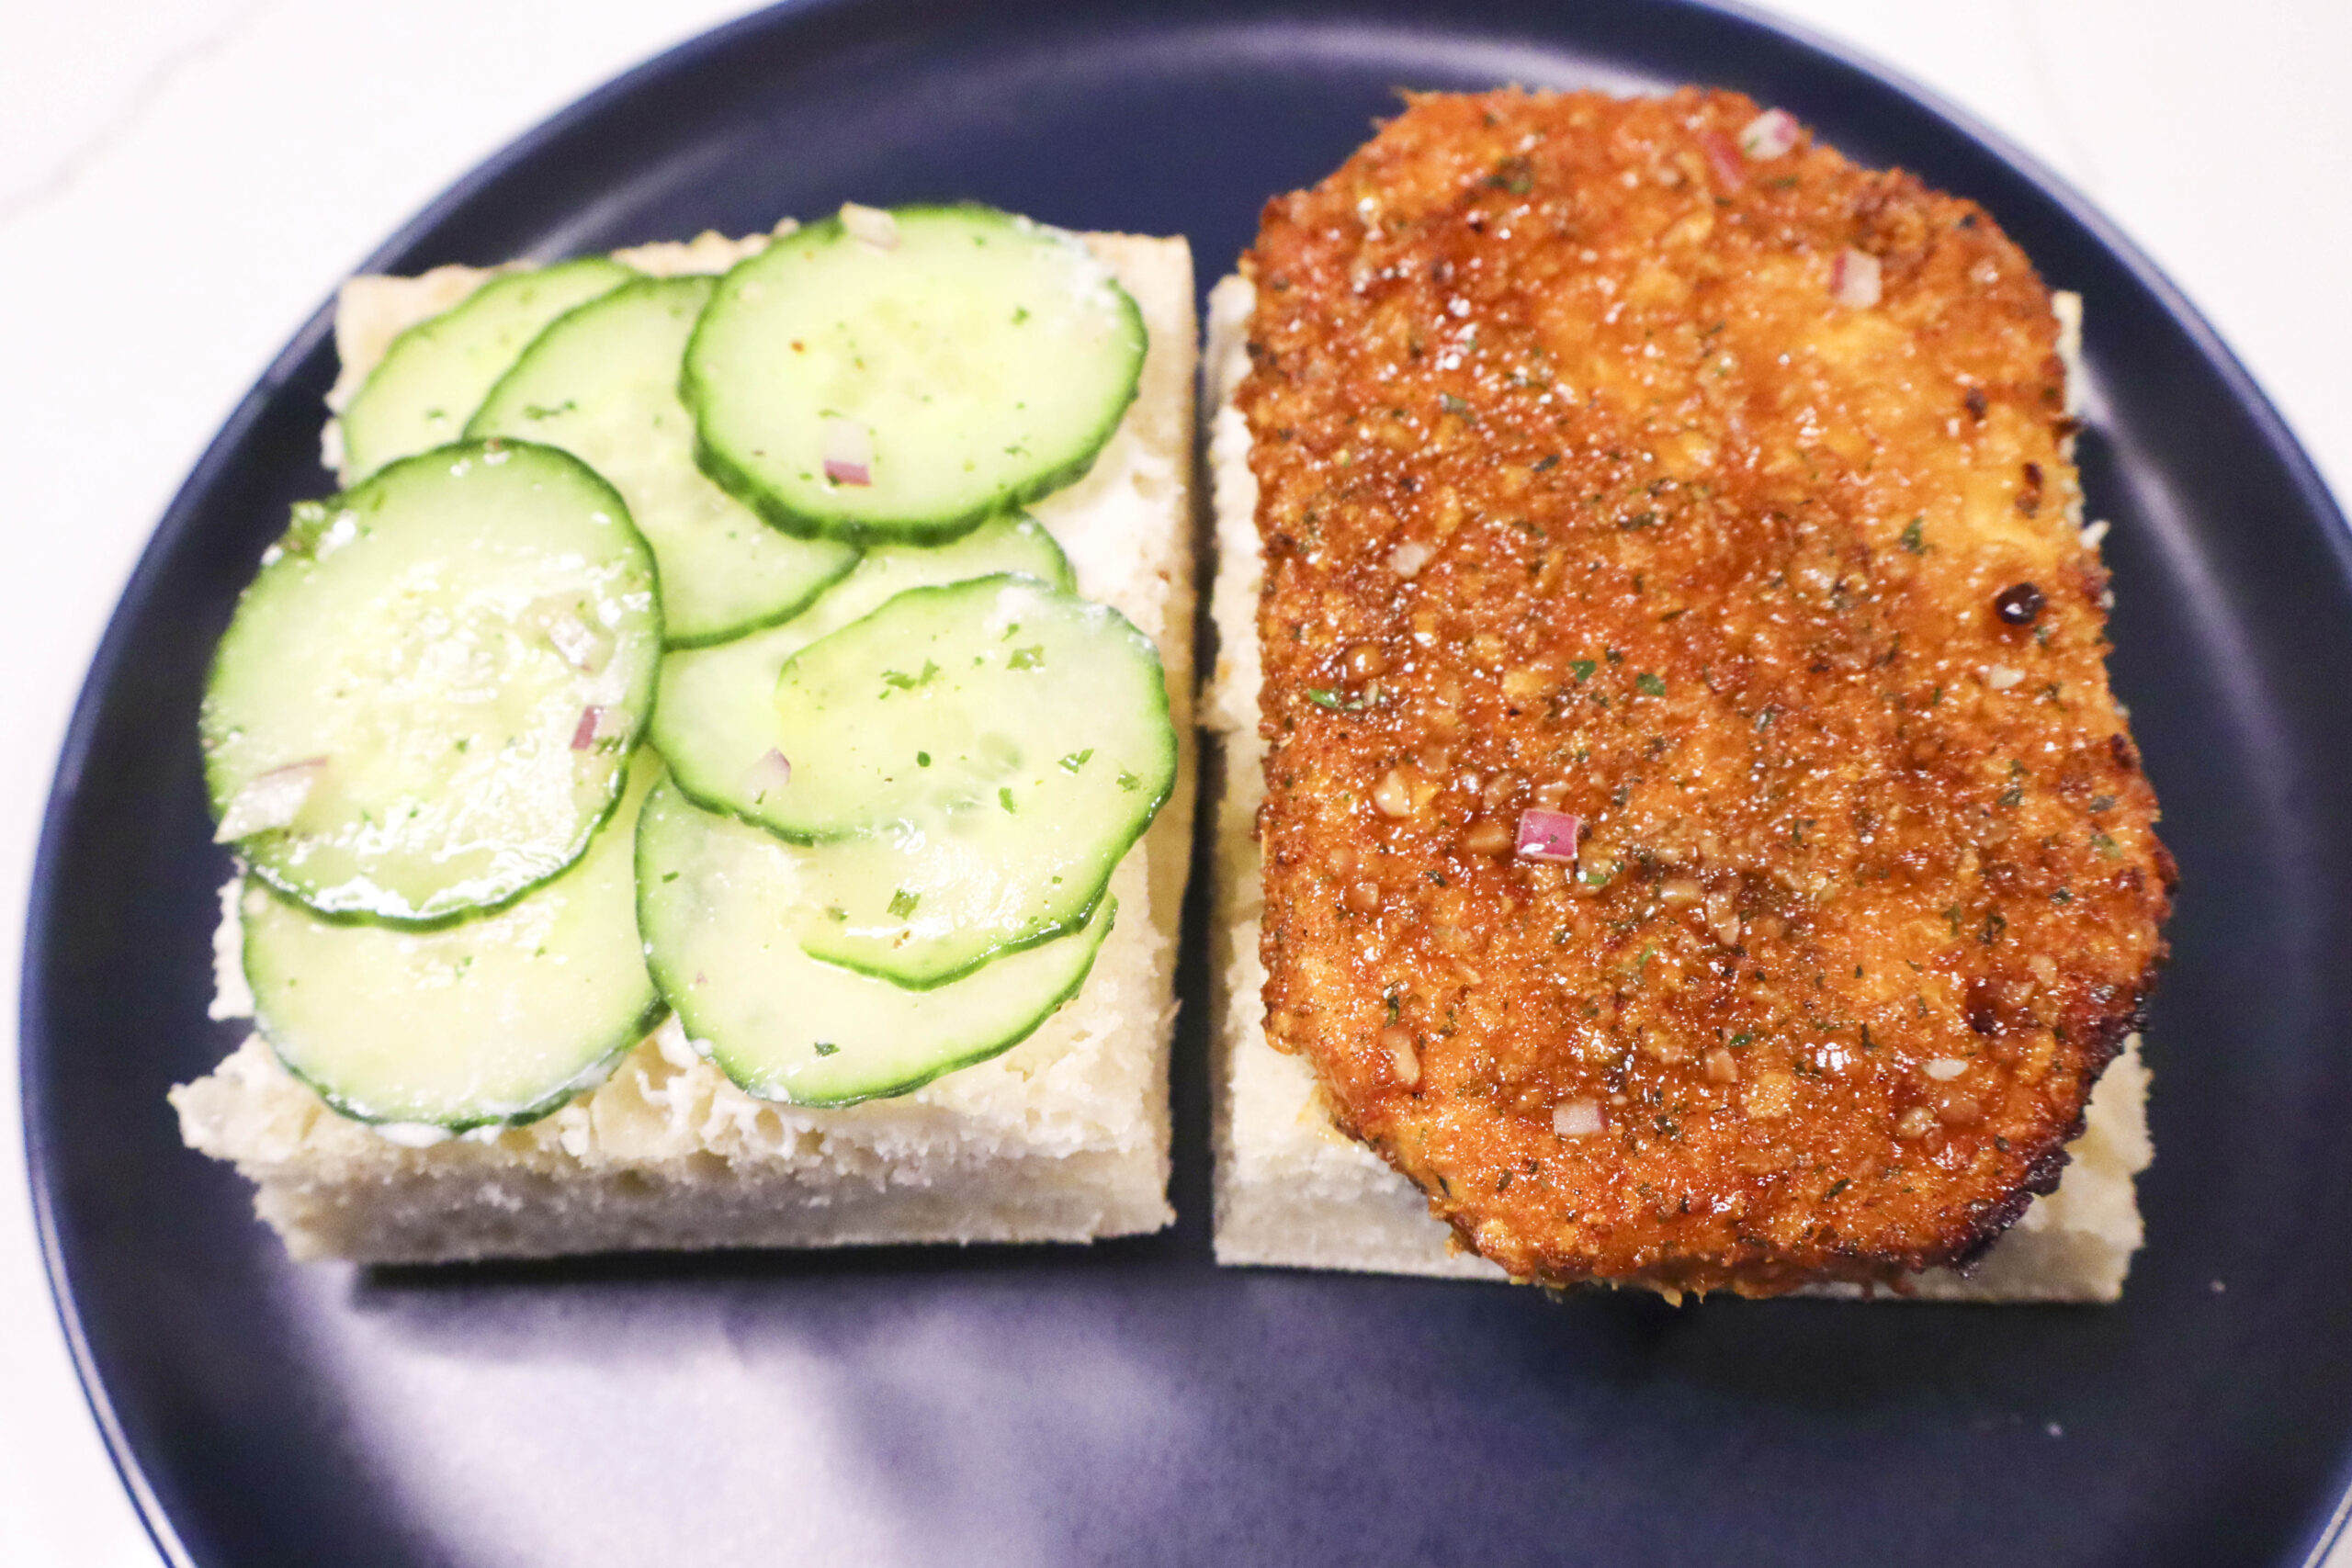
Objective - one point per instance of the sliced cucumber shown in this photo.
(714, 719)
(719, 902)
(602, 383)
(500, 1019)
(970, 761)
(928, 906)
(435, 375)
(427, 698)
(951, 363)
(998, 692)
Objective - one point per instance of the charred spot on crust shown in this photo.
(2019, 604)
(2030, 493)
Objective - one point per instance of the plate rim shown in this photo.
(2271, 426)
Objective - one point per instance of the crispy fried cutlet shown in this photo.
(1722, 498)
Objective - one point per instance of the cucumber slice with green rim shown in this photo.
(926, 906)
(1001, 693)
(435, 375)
(719, 902)
(714, 720)
(499, 1019)
(427, 700)
(970, 763)
(906, 380)
(602, 383)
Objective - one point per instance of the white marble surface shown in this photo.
(148, 278)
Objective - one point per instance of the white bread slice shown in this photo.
(1063, 1138)
(1290, 1191)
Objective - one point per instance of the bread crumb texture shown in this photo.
(1062, 1138)
(1290, 1191)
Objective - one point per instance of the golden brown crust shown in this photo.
(1579, 490)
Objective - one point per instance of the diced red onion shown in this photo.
(1547, 836)
(270, 800)
(870, 226)
(1724, 158)
(1853, 278)
(849, 451)
(770, 773)
(1769, 135)
(583, 734)
(1408, 558)
(584, 648)
(1576, 1118)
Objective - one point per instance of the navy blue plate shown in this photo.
(1130, 1403)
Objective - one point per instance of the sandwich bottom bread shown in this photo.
(1064, 1137)
(1292, 1191)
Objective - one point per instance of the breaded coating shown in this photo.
(1720, 495)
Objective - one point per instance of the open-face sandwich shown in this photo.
(720, 772)
(1696, 845)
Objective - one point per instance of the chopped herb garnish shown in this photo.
(1912, 539)
(1650, 684)
(1512, 174)
(903, 904)
(1336, 704)
(1128, 781)
(2102, 802)
(1582, 669)
(1077, 760)
(826, 1047)
(2107, 846)
(922, 759)
(1452, 404)
(1030, 657)
(1004, 798)
(905, 683)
